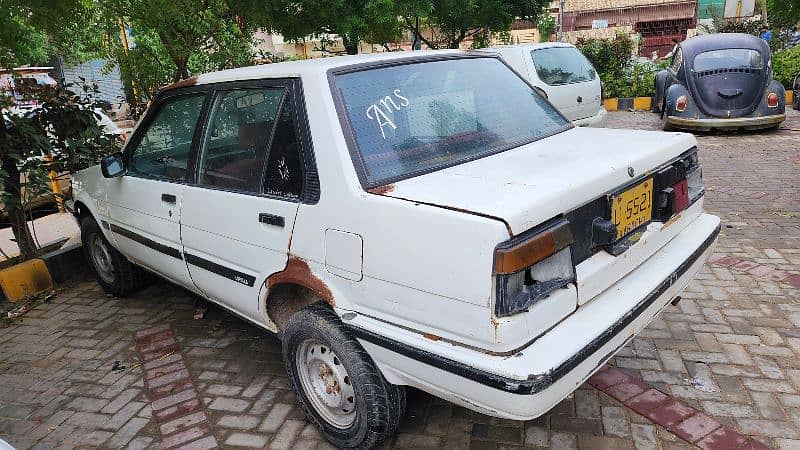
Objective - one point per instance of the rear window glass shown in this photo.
(562, 65)
(419, 117)
(729, 58)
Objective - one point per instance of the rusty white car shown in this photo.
(418, 219)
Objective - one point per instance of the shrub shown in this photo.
(786, 65)
(622, 74)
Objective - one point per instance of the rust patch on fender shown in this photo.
(298, 272)
(186, 82)
(381, 190)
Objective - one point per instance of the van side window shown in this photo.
(236, 143)
(284, 175)
(163, 151)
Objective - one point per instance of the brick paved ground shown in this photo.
(731, 350)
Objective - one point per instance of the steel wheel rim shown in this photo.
(326, 383)
(101, 258)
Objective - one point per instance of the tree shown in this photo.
(175, 38)
(30, 31)
(64, 130)
(353, 21)
(447, 23)
(783, 13)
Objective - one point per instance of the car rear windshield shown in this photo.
(562, 65)
(729, 58)
(419, 117)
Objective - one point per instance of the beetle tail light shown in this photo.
(680, 103)
(772, 100)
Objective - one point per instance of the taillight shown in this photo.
(682, 184)
(680, 103)
(531, 266)
(772, 100)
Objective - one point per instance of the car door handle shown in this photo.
(271, 219)
(168, 198)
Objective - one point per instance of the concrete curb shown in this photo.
(644, 103)
(65, 263)
(28, 278)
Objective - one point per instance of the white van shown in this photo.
(563, 75)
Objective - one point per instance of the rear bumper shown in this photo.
(596, 121)
(529, 383)
(738, 122)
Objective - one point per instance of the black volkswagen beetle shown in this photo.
(720, 81)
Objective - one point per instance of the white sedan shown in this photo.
(415, 219)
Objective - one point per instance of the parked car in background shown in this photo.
(402, 219)
(561, 73)
(720, 81)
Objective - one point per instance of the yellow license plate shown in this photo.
(632, 208)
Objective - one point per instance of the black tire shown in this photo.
(125, 278)
(664, 124)
(378, 404)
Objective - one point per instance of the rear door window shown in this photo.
(562, 65)
(240, 129)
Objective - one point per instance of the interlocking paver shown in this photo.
(730, 351)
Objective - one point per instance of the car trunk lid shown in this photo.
(562, 175)
(530, 184)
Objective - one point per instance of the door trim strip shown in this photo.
(147, 242)
(227, 272)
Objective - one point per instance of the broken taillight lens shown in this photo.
(772, 100)
(680, 103)
(531, 266)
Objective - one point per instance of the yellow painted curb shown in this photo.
(642, 103)
(610, 104)
(789, 97)
(23, 280)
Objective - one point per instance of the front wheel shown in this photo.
(338, 385)
(113, 271)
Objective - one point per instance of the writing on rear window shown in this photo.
(383, 110)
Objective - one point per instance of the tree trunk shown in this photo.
(16, 213)
(350, 45)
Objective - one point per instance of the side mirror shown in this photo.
(113, 165)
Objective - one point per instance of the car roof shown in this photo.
(536, 46)
(308, 66)
(717, 41)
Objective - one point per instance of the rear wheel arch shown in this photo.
(284, 299)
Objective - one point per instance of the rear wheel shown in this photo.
(338, 385)
(665, 125)
(113, 271)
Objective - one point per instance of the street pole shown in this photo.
(561, 20)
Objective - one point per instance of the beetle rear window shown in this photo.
(729, 58)
(419, 117)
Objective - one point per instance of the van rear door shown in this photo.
(573, 85)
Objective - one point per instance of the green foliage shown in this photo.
(546, 26)
(353, 21)
(447, 23)
(786, 65)
(64, 130)
(622, 75)
(783, 14)
(32, 30)
(610, 57)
